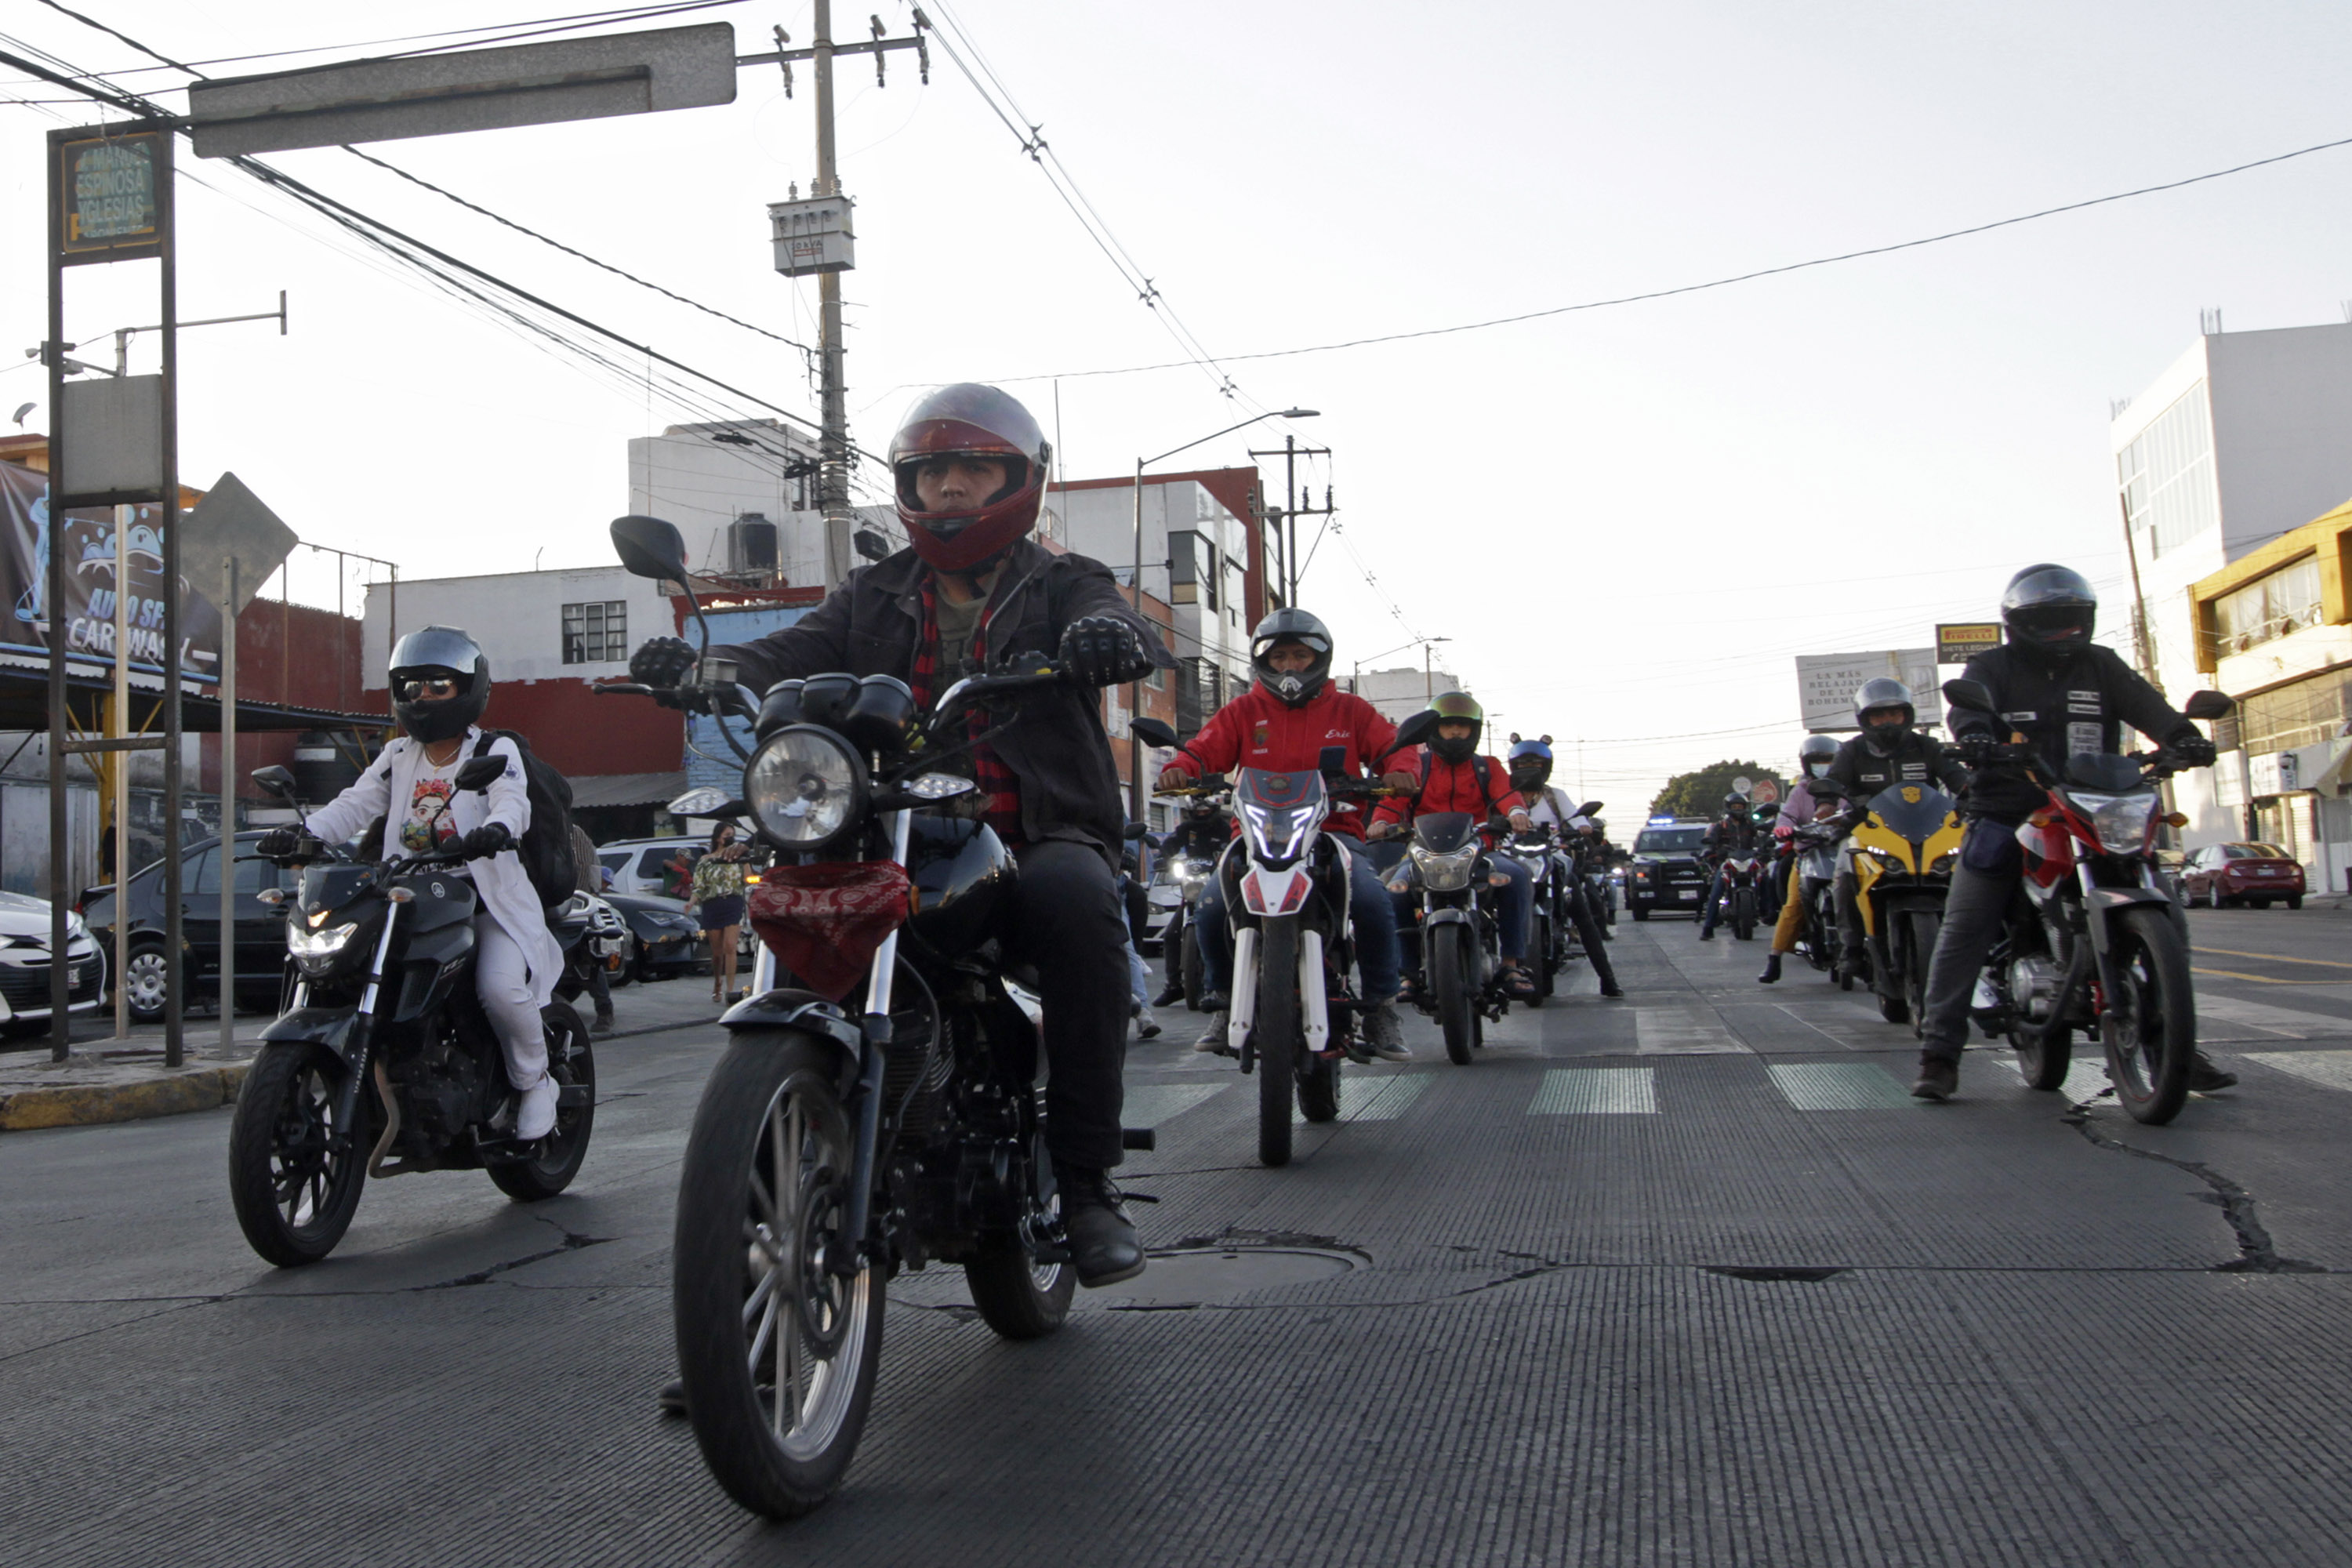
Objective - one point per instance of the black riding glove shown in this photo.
(661, 661)
(278, 842)
(1974, 747)
(2196, 750)
(490, 838)
(1103, 650)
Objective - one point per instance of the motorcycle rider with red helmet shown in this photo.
(1290, 715)
(970, 466)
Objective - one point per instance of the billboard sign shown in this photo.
(1958, 642)
(1826, 683)
(112, 191)
(84, 624)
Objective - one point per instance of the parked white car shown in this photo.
(25, 962)
(640, 865)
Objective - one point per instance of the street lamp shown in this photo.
(1135, 688)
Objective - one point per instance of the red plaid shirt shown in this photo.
(999, 791)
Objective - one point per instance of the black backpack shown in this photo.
(546, 847)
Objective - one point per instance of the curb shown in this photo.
(90, 1105)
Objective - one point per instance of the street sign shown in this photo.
(1766, 792)
(1826, 683)
(1958, 642)
(110, 440)
(113, 204)
(231, 524)
(474, 89)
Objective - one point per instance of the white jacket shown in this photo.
(1551, 806)
(504, 886)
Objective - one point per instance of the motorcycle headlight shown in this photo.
(805, 788)
(2122, 822)
(320, 943)
(1943, 863)
(1447, 872)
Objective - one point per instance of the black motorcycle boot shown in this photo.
(1104, 1247)
(1172, 992)
(1939, 1077)
(1771, 969)
(2204, 1076)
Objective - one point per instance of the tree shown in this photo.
(1701, 793)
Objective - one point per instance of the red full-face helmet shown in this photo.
(972, 421)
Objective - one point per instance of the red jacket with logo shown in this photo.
(1453, 786)
(1258, 729)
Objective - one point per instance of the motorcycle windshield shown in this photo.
(1279, 811)
(1915, 812)
(1441, 832)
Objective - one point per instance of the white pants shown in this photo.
(502, 980)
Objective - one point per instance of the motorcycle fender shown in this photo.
(1446, 917)
(1265, 891)
(328, 1026)
(1240, 1012)
(2108, 902)
(804, 1011)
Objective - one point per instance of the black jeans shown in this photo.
(1069, 922)
(1588, 931)
(1972, 917)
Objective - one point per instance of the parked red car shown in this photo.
(2224, 876)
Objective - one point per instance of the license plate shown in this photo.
(1686, 892)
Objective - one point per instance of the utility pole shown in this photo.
(1286, 524)
(2141, 650)
(816, 235)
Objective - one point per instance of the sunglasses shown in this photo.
(436, 686)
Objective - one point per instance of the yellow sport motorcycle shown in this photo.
(1903, 851)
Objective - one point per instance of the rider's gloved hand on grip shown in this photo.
(1974, 747)
(661, 662)
(278, 842)
(1103, 650)
(490, 838)
(2197, 751)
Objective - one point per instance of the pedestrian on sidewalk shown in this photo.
(718, 895)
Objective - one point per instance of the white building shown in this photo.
(2246, 436)
(1400, 693)
(743, 493)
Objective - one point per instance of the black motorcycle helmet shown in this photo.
(1530, 764)
(1814, 755)
(2049, 611)
(1734, 804)
(439, 654)
(1296, 687)
(1457, 705)
(1884, 691)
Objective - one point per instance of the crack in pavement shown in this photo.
(572, 1242)
(2257, 1254)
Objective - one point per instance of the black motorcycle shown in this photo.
(1551, 937)
(380, 995)
(1179, 877)
(1447, 862)
(882, 1113)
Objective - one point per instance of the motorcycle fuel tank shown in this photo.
(963, 876)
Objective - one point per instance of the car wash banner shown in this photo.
(83, 624)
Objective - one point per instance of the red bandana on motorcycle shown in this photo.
(824, 922)
(1000, 792)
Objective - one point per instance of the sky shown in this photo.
(1628, 520)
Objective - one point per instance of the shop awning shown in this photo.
(25, 705)
(590, 791)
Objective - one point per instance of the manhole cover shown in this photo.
(1777, 1276)
(1203, 1276)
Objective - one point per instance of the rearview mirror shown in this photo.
(1135, 831)
(650, 547)
(1416, 730)
(481, 772)
(1587, 808)
(279, 782)
(2207, 705)
(1962, 692)
(1152, 732)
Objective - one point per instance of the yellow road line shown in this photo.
(2275, 957)
(2234, 974)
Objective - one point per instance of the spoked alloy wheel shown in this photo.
(293, 1189)
(2150, 1026)
(1276, 1033)
(145, 982)
(778, 1353)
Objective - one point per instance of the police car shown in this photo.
(1665, 872)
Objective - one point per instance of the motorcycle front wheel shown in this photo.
(2150, 1025)
(1450, 986)
(293, 1189)
(1743, 914)
(1922, 929)
(1276, 1030)
(1188, 968)
(778, 1353)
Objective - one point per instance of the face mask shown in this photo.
(1817, 770)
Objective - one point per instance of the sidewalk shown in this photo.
(107, 1079)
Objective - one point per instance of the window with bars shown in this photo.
(2286, 600)
(596, 632)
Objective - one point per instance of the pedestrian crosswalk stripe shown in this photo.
(1380, 1099)
(2332, 1070)
(1150, 1104)
(1682, 1032)
(1840, 1086)
(1597, 1091)
(2290, 1022)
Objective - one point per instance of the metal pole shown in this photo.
(1135, 688)
(226, 856)
(1428, 691)
(833, 451)
(175, 933)
(52, 602)
(1290, 518)
(119, 730)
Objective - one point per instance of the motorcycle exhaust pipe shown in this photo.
(1315, 1008)
(1241, 1011)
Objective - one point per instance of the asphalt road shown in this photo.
(1686, 1278)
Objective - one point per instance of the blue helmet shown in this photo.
(1530, 762)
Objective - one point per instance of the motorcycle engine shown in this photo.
(440, 1092)
(2033, 983)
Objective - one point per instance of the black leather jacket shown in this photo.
(2079, 704)
(1058, 750)
(1914, 759)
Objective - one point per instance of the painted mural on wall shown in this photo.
(86, 538)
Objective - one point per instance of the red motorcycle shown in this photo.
(2097, 943)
